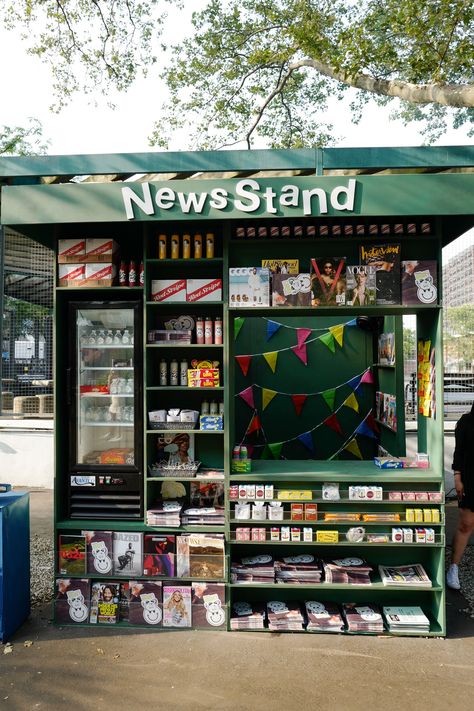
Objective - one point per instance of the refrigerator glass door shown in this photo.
(105, 387)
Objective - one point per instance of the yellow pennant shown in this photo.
(271, 359)
(338, 333)
(351, 401)
(353, 447)
(267, 397)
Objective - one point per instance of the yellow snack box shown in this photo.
(427, 517)
(410, 515)
(327, 536)
(435, 516)
(294, 495)
(418, 515)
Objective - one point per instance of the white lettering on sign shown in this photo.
(247, 197)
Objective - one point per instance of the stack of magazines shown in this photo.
(406, 619)
(352, 571)
(254, 569)
(247, 616)
(299, 569)
(362, 617)
(404, 575)
(283, 616)
(210, 516)
(165, 513)
(323, 617)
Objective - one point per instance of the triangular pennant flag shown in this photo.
(302, 334)
(275, 449)
(353, 448)
(338, 333)
(267, 397)
(372, 422)
(367, 377)
(365, 430)
(300, 351)
(250, 449)
(298, 402)
(272, 328)
(254, 425)
(307, 439)
(352, 322)
(354, 382)
(265, 452)
(247, 396)
(271, 359)
(352, 402)
(328, 340)
(244, 362)
(330, 397)
(332, 422)
(238, 323)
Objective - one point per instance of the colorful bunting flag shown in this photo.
(254, 425)
(338, 333)
(300, 351)
(244, 362)
(272, 328)
(307, 439)
(365, 430)
(330, 397)
(267, 397)
(238, 323)
(367, 377)
(247, 397)
(302, 334)
(298, 402)
(354, 382)
(275, 448)
(351, 401)
(353, 448)
(328, 340)
(271, 359)
(266, 452)
(333, 422)
(352, 322)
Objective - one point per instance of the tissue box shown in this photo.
(388, 463)
(211, 422)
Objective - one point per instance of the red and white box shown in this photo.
(69, 274)
(101, 272)
(168, 290)
(242, 534)
(204, 290)
(101, 248)
(71, 249)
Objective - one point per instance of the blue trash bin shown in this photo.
(14, 561)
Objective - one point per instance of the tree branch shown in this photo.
(277, 90)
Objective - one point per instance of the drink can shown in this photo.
(209, 245)
(236, 452)
(186, 246)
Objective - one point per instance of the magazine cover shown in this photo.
(328, 281)
(205, 494)
(419, 282)
(360, 285)
(385, 408)
(386, 348)
(128, 553)
(282, 266)
(159, 554)
(175, 448)
(72, 555)
(99, 552)
(177, 606)
(378, 405)
(404, 575)
(72, 600)
(386, 259)
(289, 290)
(145, 606)
(105, 600)
(208, 604)
(249, 286)
(124, 604)
(201, 556)
(392, 412)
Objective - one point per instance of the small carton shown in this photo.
(407, 535)
(408, 495)
(241, 466)
(435, 516)
(203, 290)
(250, 491)
(274, 533)
(435, 497)
(418, 515)
(234, 492)
(327, 536)
(259, 492)
(430, 535)
(427, 515)
(242, 534)
(394, 495)
(70, 274)
(70, 250)
(295, 534)
(242, 492)
(410, 515)
(169, 290)
(285, 533)
(307, 535)
(101, 272)
(259, 511)
(268, 491)
(421, 496)
(297, 512)
(397, 535)
(311, 512)
(101, 249)
(275, 511)
(211, 422)
(420, 535)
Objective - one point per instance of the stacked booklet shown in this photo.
(362, 617)
(283, 616)
(404, 575)
(247, 616)
(165, 513)
(298, 570)
(210, 516)
(254, 569)
(323, 617)
(352, 571)
(406, 619)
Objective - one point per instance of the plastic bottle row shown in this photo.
(107, 337)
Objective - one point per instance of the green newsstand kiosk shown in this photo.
(214, 348)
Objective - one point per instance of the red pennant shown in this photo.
(302, 334)
(372, 422)
(298, 402)
(250, 450)
(332, 422)
(247, 397)
(244, 362)
(254, 425)
(300, 351)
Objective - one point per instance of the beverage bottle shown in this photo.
(236, 452)
(183, 372)
(162, 246)
(174, 246)
(101, 337)
(197, 246)
(126, 337)
(117, 337)
(208, 330)
(84, 339)
(123, 273)
(132, 273)
(221, 407)
(174, 372)
(213, 407)
(141, 274)
(204, 407)
(92, 338)
(109, 339)
(186, 246)
(209, 245)
(218, 330)
(199, 330)
(163, 372)
(243, 452)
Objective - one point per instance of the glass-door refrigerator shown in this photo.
(105, 396)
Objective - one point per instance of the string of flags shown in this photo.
(274, 326)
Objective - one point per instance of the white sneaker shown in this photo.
(452, 577)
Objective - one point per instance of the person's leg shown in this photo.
(463, 531)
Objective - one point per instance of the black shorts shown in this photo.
(467, 501)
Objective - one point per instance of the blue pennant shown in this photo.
(354, 382)
(307, 439)
(352, 322)
(365, 430)
(272, 328)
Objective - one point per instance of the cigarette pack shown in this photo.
(274, 534)
(311, 512)
(296, 534)
(407, 535)
(297, 511)
(307, 535)
(285, 533)
(327, 536)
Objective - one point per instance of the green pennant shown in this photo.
(266, 452)
(275, 448)
(238, 323)
(330, 397)
(328, 340)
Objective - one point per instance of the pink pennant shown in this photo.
(298, 402)
(333, 423)
(367, 377)
(247, 397)
(302, 334)
(300, 351)
(244, 362)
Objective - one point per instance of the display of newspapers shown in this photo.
(406, 619)
(404, 575)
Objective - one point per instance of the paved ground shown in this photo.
(105, 670)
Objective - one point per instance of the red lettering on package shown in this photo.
(203, 291)
(169, 291)
(103, 248)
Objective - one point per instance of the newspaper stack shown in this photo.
(362, 617)
(165, 513)
(298, 570)
(413, 575)
(255, 569)
(352, 571)
(406, 620)
(284, 616)
(247, 616)
(210, 516)
(323, 617)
